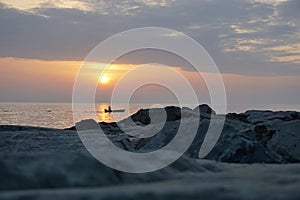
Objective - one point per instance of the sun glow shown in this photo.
(104, 80)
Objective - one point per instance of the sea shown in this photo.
(60, 115)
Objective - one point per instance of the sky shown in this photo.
(254, 43)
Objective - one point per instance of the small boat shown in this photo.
(109, 111)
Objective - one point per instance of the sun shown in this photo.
(104, 80)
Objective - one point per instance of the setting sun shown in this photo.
(104, 79)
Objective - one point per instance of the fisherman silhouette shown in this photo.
(109, 110)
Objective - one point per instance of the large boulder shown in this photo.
(271, 139)
(250, 137)
(156, 115)
(173, 113)
(204, 109)
(141, 116)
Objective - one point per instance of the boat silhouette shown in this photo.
(109, 111)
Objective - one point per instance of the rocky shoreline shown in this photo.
(257, 156)
(250, 137)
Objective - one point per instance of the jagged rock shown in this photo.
(46, 163)
(204, 109)
(250, 137)
(260, 131)
(87, 124)
(187, 109)
(286, 140)
(240, 117)
(258, 116)
(173, 113)
(240, 141)
(141, 116)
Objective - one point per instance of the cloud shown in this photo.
(173, 34)
(116, 7)
(270, 2)
(243, 37)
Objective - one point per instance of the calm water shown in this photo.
(59, 115)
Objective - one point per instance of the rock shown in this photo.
(187, 109)
(41, 163)
(250, 137)
(240, 117)
(286, 140)
(141, 116)
(240, 141)
(140, 144)
(260, 131)
(295, 116)
(80, 176)
(173, 113)
(71, 128)
(187, 113)
(87, 124)
(258, 116)
(204, 109)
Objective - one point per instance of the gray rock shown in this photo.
(246, 138)
(142, 116)
(41, 163)
(79, 176)
(173, 113)
(204, 109)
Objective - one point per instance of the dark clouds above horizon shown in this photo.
(259, 37)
